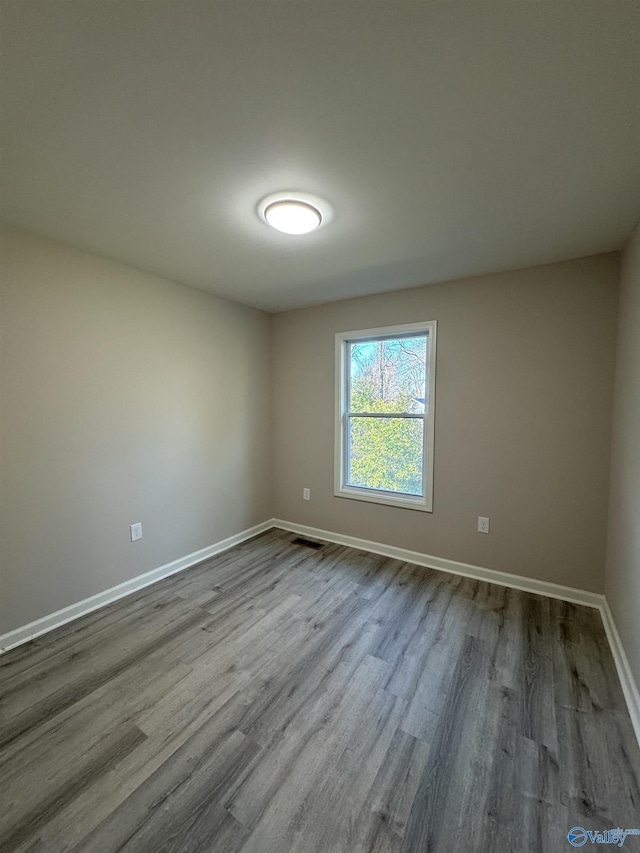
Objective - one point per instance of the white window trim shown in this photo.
(341, 490)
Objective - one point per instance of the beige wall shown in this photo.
(124, 398)
(623, 551)
(523, 410)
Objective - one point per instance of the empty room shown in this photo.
(319, 426)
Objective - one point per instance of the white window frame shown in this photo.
(379, 496)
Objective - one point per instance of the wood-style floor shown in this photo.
(277, 699)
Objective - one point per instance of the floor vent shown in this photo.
(308, 543)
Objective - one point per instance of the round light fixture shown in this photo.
(293, 213)
(292, 217)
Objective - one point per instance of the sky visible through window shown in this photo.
(387, 376)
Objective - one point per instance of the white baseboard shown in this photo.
(552, 590)
(74, 611)
(627, 681)
(576, 596)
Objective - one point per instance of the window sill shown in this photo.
(387, 499)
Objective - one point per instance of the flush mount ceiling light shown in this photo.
(293, 213)
(292, 217)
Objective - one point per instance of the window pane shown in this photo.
(386, 453)
(388, 375)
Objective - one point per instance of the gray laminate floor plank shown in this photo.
(279, 699)
(20, 823)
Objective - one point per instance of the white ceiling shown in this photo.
(450, 138)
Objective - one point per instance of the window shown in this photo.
(385, 392)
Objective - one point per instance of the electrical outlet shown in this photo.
(136, 531)
(306, 494)
(483, 524)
